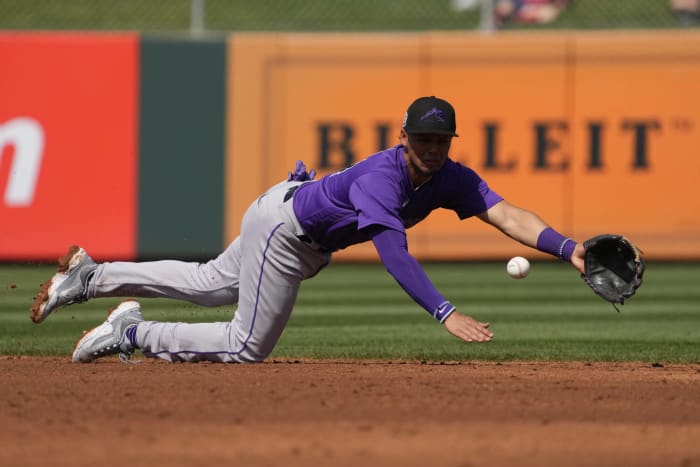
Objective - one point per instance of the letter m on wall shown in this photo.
(26, 136)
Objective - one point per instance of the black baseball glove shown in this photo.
(613, 267)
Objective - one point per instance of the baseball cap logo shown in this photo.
(430, 115)
(434, 115)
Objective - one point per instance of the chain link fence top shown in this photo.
(343, 15)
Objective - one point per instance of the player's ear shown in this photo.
(403, 137)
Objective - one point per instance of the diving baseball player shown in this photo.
(288, 234)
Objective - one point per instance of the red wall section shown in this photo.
(68, 139)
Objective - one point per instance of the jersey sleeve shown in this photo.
(377, 200)
(471, 195)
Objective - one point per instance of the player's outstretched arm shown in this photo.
(467, 328)
(392, 248)
(519, 224)
(529, 229)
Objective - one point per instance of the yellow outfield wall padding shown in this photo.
(596, 132)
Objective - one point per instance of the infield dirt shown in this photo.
(334, 413)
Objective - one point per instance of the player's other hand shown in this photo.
(467, 328)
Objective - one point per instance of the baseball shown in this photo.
(518, 267)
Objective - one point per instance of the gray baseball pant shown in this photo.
(261, 270)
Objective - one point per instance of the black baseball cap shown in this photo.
(430, 115)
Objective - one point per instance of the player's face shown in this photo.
(426, 153)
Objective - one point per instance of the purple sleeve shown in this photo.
(377, 202)
(392, 249)
(472, 195)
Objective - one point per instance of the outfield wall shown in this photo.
(68, 142)
(143, 147)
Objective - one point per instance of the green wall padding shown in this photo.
(181, 150)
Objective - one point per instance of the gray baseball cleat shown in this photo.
(67, 286)
(109, 338)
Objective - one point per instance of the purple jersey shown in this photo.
(336, 210)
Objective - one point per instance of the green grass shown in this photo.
(309, 15)
(357, 311)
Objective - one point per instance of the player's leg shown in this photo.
(271, 275)
(79, 278)
(214, 283)
(273, 264)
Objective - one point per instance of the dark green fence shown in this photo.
(337, 15)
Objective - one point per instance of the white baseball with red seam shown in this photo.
(518, 267)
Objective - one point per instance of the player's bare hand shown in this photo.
(467, 328)
(577, 257)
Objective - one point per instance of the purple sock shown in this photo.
(131, 335)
